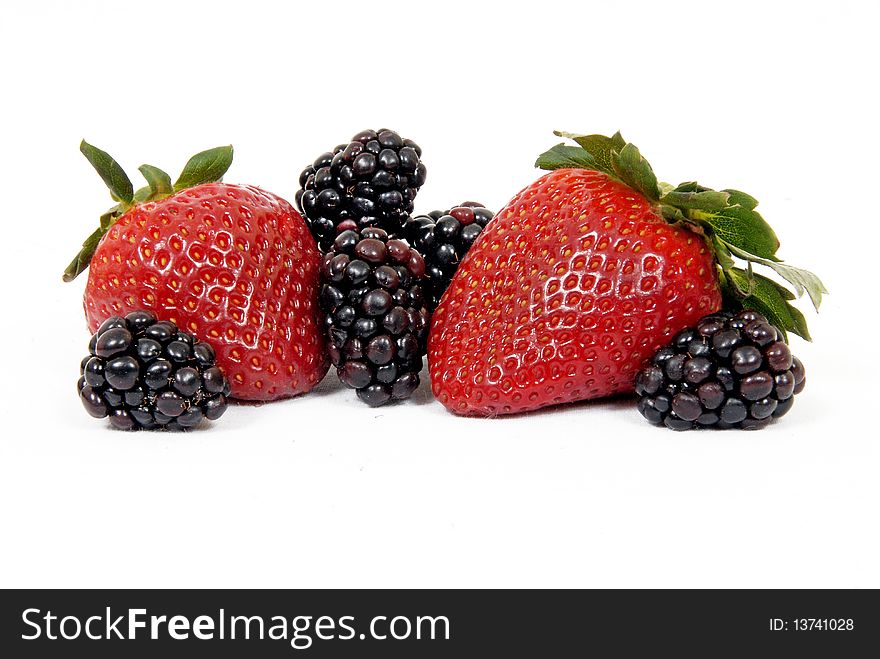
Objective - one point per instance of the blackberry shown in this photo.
(730, 371)
(375, 314)
(443, 238)
(372, 181)
(145, 373)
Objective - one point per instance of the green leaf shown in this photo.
(742, 228)
(109, 218)
(722, 254)
(159, 181)
(603, 149)
(665, 188)
(562, 156)
(82, 259)
(779, 312)
(692, 186)
(735, 197)
(84, 256)
(739, 198)
(770, 299)
(802, 280)
(205, 167)
(672, 214)
(799, 326)
(743, 282)
(159, 184)
(110, 171)
(708, 200)
(758, 280)
(783, 291)
(635, 171)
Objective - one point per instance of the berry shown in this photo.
(375, 315)
(146, 373)
(746, 387)
(569, 289)
(230, 264)
(371, 181)
(443, 238)
(590, 270)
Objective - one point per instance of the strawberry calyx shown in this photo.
(204, 167)
(736, 233)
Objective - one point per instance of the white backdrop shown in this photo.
(777, 99)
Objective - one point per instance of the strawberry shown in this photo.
(587, 272)
(232, 264)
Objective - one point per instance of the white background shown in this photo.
(775, 98)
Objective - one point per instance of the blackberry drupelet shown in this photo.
(443, 238)
(372, 181)
(145, 373)
(375, 314)
(730, 371)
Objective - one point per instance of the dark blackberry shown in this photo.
(443, 238)
(145, 373)
(730, 371)
(375, 314)
(372, 181)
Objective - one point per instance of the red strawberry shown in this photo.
(586, 273)
(234, 265)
